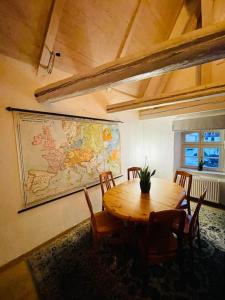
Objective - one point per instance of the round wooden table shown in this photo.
(126, 201)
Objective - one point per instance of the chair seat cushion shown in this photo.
(184, 204)
(107, 223)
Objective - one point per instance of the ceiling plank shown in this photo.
(191, 49)
(152, 25)
(186, 21)
(214, 103)
(50, 36)
(191, 25)
(199, 92)
(207, 9)
(22, 28)
(126, 40)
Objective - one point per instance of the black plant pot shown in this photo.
(145, 186)
(200, 168)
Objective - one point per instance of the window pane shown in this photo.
(189, 151)
(191, 156)
(212, 136)
(211, 162)
(191, 137)
(191, 161)
(211, 152)
(211, 157)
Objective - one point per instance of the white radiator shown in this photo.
(213, 188)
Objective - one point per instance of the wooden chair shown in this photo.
(180, 178)
(102, 223)
(135, 171)
(107, 181)
(159, 244)
(191, 228)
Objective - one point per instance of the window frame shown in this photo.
(201, 144)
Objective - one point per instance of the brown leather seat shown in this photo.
(102, 223)
(105, 223)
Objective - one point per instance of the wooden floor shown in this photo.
(16, 283)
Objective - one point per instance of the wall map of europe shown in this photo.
(59, 155)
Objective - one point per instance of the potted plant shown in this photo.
(145, 179)
(200, 164)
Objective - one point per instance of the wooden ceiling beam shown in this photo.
(191, 49)
(195, 93)
(50, 36)
(214, 103)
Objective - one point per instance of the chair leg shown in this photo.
(224, 264)
(95, 242)
(199, 238)
(189, 207)
(144, 268)
(181, 263)
(191, 250)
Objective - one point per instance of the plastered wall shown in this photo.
(20, 233)
(158, 145)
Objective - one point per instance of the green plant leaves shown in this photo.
(145, 174)
(153, 173)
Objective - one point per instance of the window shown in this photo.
(205, 145)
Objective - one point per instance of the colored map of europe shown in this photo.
(59, 155)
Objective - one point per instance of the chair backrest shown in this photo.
(161, 224)
(107, 180)
(195, 218)
(93, 221)
(135, 171)
(181, 177)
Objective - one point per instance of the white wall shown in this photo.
(20, 233)
(158, 145)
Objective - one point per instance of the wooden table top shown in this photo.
(128, 203)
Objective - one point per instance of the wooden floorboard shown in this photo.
(16, 283)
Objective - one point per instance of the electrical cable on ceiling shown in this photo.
(50, 65)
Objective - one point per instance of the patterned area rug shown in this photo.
(69, 268)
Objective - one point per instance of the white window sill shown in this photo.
(205, 173)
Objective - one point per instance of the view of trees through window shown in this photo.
(205, 145)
